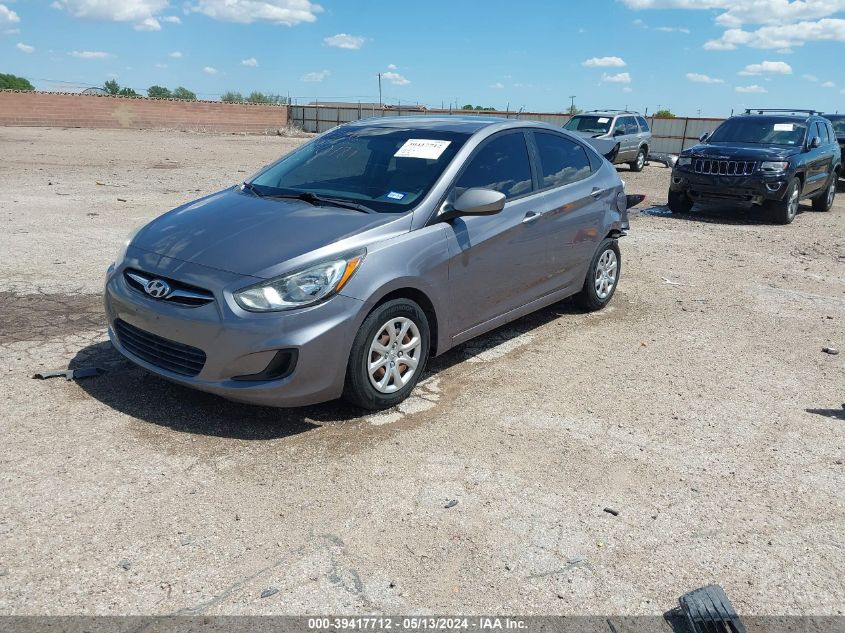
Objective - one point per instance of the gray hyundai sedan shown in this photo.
(341, 268)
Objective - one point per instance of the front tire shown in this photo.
(784, 211)
(679, 202)
(824, 202)
(388, 356)
(602, 277)
(639, 161)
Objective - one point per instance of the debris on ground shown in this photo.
(830, 350)
(612, 511)
(451, 504)
(125, 564)
(71, 374)
(708, 609)
(269, 591)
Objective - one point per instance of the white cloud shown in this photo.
(621, 78)
(755, 89)
(767, 68)
(141, 13)
(172, 19)
(7, 17)
(627, 89)
(781, 37)
(315, 77)
(604, 62)
(25, 48)
(89, 54)
(209, 70)
(396, 79)
(344, 40)
(498, 85)
(812, 78)
(672, 29)
(735, 13)
(249, 62)
(285, 12)
(703, 79)
(392, 67)
(828, 84)
(161, 65)
(176, 55)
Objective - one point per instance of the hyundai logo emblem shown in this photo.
(157, 289)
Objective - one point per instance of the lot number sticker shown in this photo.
(603, 119)
(422, 148)
(784, 127)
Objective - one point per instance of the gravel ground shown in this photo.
(699, 405)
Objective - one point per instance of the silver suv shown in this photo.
(630, 130)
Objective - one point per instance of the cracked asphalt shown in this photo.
(699, 405)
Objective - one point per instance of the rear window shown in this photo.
(592, 124)
(643, 124)
(760, 131)
(562, 161)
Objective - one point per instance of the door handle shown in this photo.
(596, 192)
(531, 216)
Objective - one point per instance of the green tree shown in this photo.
(13, 82)
(258, 97)
(158, 92)
(127, 92)
(112, 87)
(184, 93)
(230, 96)
(664, 114)
(468, 106)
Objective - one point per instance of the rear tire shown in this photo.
(376, 376)
(602, 277)
(824, 202)
(679, 202)
(784, 211)
(639, 161)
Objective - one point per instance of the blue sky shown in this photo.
(689, 55)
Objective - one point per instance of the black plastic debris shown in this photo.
(708, 610)
(451, 504)
(71, 374)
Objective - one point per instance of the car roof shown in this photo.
(786, 116)
(449, 123)
(609, 113)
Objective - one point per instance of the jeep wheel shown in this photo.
(784, 211)
(639, 162)
(679, 202)
(824, 202)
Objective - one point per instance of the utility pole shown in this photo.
(572, 104)
(380, 104)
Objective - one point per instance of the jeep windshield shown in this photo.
(589, 124)
(760, 131)
(378, 168)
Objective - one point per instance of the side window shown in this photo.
(821, 132)
(631, 125)
(502, 164)
(619, 126)
(561, 161)
(643, 124)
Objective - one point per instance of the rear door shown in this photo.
(573, 204)
(820, 159)
(497, 262)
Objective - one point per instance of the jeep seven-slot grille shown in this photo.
(161, 352)
(723, 167)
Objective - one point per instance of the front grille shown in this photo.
(161, 352)
(723, 167)
(180, 293)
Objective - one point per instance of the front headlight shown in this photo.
(774, 166)
(301, 288)
(121, 254)
(684, 161)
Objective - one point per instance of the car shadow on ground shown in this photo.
(830, 413)
(135, 392)
(720, 214)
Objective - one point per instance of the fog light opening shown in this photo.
(773, 186)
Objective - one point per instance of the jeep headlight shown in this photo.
(774, 166)
(300, 288)
(684, 161)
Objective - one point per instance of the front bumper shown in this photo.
(235, 342)
(753, 189)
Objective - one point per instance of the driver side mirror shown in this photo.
(815, 142)
(703, 138)
(618, 132)
(476, 201)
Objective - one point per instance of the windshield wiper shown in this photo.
(313, 198)
(249, 186)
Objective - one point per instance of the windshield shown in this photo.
(838, 125)
(387, 169)
(760, 131)
(591, 124)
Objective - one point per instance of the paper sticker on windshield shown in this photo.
(784, 127)
(422, 148)
(395, 195)
(603, 119)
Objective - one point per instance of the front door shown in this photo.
(497, 262)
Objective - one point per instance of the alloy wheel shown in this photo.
(831, 193)
(394, 355)
(606, 272)
(792, 207)
(640, 160)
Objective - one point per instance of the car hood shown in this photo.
(241, 233)
(742, 152)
